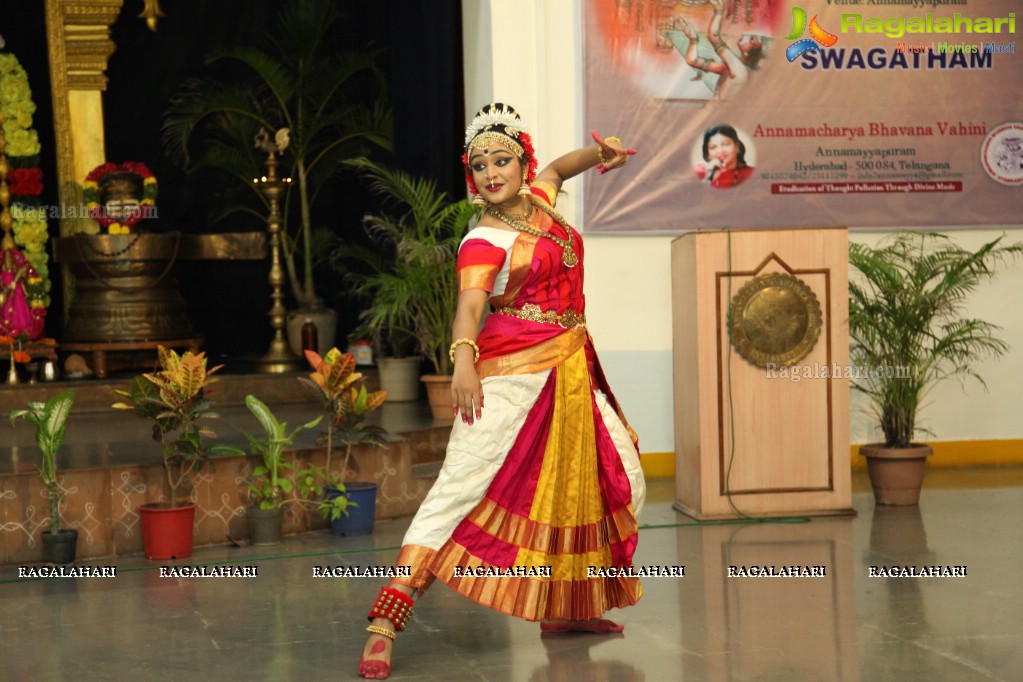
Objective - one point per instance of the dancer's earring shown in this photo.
(524, 190)
(478, 200)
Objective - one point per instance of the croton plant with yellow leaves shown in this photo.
(174, 399)
(343, 395)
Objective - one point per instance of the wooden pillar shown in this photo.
(78, 36)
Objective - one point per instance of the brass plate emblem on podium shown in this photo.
(775, 320)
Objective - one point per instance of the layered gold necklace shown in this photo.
(568, 256)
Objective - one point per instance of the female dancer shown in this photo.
(540, 490)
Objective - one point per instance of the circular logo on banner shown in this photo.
(1002, 154)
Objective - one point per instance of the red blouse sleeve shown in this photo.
(479, 261)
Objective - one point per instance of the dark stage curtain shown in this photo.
(228, 301)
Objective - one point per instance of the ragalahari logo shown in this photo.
(819, 36)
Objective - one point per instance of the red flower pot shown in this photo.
(167, 531)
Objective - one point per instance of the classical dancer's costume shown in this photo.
(549, 479)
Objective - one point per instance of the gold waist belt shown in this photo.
(531, 311)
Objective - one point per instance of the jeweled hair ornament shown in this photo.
(497, 118)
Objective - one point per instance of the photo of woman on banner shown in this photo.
(724, 154)
(735, 65)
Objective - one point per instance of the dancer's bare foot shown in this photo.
(597, 625)
(375, 663)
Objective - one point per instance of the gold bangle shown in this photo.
(459, 342)
(377, 630)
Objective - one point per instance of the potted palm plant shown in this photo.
(416, 292)
(909, 331)
(49, 420)
(339, 388)
(330, 100)
(174, 399)
(271, 484)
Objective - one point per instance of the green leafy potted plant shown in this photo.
(417, 292)
(339, 388)
(49, 420)
(331, 101)
(909, 331)
(173, 398)
(271, 484)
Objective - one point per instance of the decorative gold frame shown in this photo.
(78, 37)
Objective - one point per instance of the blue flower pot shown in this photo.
(360, 517)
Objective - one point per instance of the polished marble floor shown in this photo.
(286, 624)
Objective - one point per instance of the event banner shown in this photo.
(815, 113)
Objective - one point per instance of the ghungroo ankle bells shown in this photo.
(394, 605)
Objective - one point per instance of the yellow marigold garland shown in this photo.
(25, 179)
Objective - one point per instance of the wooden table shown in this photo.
(99, 349)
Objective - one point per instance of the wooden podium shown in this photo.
(772, 438)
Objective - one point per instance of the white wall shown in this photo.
(527, 53)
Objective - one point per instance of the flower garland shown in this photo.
(25, 180)
(18, 107)
(98, 212)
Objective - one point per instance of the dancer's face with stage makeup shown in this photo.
(497, 174)
(724, 150)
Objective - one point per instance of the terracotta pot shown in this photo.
(896, 474)
(438, 391)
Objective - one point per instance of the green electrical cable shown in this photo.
(731, 413)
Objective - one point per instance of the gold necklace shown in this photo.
(568, 256)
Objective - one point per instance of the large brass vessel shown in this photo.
(125, 289)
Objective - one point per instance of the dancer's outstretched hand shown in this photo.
(614, 152)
